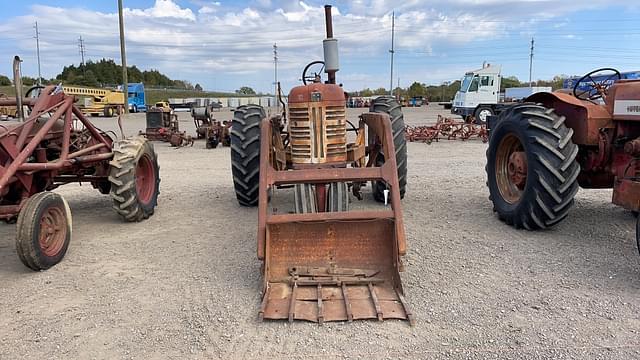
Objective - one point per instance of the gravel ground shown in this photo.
(186, 283)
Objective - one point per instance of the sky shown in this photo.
(224, 45)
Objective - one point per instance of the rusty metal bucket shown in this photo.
(332, 266)
(332, 271)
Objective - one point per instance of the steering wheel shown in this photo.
(596, 89)
(34, 91)
(312, 76)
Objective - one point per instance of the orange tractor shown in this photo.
(322, 260)
(543, 150)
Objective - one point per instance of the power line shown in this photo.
(531, 64)
(275, 74)
(82, 52)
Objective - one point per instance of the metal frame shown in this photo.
(357, 297)
(20, 143)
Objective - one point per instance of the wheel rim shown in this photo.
(145, 179)
(482, 116)
(53, 231)
(511, 169)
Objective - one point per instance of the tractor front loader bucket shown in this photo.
(332, 266)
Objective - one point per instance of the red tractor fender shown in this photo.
(586, 118)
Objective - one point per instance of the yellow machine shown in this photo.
(163, 105)
(97, 101)
(5, 111)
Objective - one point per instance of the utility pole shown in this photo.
(38, 53)
(82, 51)
(125, 84)
(531, 64)
(393, 29)
(398, 92)
(275, 76)
(444, 85)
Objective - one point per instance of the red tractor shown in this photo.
(55, 145)
(322, 260)
(541, 151)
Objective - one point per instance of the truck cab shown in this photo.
(136, 98)
(479, 93)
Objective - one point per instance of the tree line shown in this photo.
(106, 72)
(446, 91)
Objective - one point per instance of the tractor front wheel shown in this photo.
(531, 167)
(44, 231)
(135, 179)
(389, 105)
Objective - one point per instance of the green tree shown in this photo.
(509, 82)
(28, 81)
(198, 87)
(417, 89)
(4, 81)
(245, 90)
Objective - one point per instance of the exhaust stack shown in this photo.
(330, 46)
(17, 82)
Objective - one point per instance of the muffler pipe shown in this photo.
(17, 82)
(330, 47)
(328, 21)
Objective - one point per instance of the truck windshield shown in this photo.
(465, 82)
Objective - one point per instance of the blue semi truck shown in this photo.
(136, 98)
(586, 85)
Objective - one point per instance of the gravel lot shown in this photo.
(186, 283)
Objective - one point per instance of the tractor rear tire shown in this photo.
(245, 152)
(389, 105)
(44, 230)
(135, 179)
(536, 136)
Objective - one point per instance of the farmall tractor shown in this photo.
(55, 145)
(163, 125)
(323, 261)
(541, 151)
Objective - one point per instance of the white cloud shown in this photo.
(215, 40)
(164, 9)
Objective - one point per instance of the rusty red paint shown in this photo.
(23, 159)
(332, 246)
(447, 128)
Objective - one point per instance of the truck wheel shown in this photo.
(389, 105)
(135, 179)
(245, 152)
(482, 113)
(108, 111)
(44, 231)
(531, 167)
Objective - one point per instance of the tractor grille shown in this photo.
(318, 134)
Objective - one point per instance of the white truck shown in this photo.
(479, 94)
